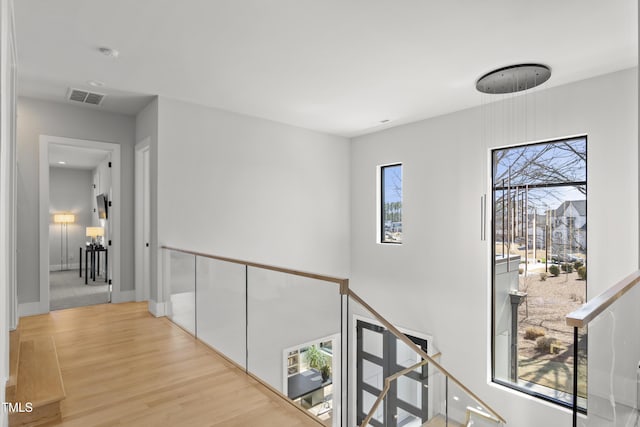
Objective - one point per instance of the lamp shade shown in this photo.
(64, 218)
(95, 232)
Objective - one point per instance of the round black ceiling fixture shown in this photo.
(513, 78)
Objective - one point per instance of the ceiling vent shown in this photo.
(85, 97)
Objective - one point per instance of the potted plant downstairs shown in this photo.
(325, 371)
(316, 359)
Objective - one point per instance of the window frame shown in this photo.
(381, 195)
(492, 165)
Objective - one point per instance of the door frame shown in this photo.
(8, 173)
(353, 374)
(114, 213)
(336, 373)
(142, 220)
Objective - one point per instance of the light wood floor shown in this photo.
(123, 367)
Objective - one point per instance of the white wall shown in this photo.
(37, 117)
(261, 191)
(69, 192)
(252, 189)
(438, 280)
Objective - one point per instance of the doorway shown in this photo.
(79, 185)
(312, 373)
(379, 354)
(79, 222)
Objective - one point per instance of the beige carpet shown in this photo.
(68, 290)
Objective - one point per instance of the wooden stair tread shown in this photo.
(39, 378)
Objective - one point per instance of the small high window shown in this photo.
(391, 203)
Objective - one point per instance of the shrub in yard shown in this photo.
(533, 333)
(582, 273)
(554, 270)
(543, 276)
(567, 267)
(543, 344)
(520, 270)
(577, 264)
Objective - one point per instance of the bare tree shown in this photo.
(542, 164)
(532, 178)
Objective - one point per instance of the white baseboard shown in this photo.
(123, 296)
(139, 297)
(158, 309)
(65, 267)
(30, 309)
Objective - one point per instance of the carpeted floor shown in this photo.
(68, 290)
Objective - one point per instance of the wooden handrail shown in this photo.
(343, 283)
(385, 390)
(402, 337)
(589, 311)
(344, 290)
(473, 411)
(387, 386)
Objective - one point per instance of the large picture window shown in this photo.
(391, 203)
(539, 198)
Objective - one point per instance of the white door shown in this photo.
(143, 221)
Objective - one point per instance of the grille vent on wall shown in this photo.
(85, 97)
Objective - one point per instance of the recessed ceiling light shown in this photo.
(107, 51)
(62, 163)
(95, 83)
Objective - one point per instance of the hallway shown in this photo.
(122, 366)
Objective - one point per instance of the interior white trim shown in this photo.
(115, 216)
(8, 189)
(8, 169)
(29, 309)
(64, 267)
(142, 287)
(158, 309)
(124, 296)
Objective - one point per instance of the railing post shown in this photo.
(575, 376)
(516, 299)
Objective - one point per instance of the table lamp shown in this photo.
(94, 233)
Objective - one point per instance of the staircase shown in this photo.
(35, 387)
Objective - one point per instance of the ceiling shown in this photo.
(336, 66)
(75, 157)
